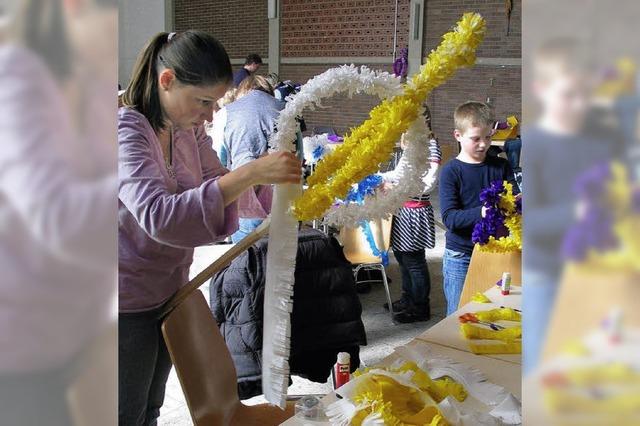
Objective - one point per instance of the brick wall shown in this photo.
(340, 112)
(342, 27)
(441, 16)
(475, 83)
(329, 28)
(241, 25)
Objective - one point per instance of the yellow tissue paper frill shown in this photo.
(571, 394)
(509, 339)
(513, 222)
(438, 389)
(474, 332)
(372, 143)
(499, 314)
(397, 404)
(480, 298)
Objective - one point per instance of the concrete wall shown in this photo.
(138, 21)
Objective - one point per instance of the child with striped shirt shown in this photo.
(413, 231)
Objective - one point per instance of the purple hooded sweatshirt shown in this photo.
(161, 219)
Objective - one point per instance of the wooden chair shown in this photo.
(486, 268)
(202, 360)
(358, 252)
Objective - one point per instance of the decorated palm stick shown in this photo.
(361, 154)
(372, 143)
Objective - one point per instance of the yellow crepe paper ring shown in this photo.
(474, 332)
(504, 314)
(372, 143)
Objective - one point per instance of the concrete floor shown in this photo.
(382, 335)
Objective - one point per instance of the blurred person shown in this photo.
(252, 63)
(251, 120)
(215, 129)
(57, 203)
(461, 181)
(254, 82)
(174, 195)
(413, 230)
(565, 141)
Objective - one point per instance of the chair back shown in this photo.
(356, 246)
(202, 361)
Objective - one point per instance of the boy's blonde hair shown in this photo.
(472, 114)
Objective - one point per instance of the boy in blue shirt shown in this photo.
(461, 181)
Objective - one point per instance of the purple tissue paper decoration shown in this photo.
(595, 229)
(502, 125)
(493, 222)
(401, 64)
(335, 139)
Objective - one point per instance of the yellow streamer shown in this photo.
(372, 143)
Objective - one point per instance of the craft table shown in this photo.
(447, 332)
(444, 339)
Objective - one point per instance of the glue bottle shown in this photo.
(506, 283)
(341, 370)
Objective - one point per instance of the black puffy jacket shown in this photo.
(325, 318)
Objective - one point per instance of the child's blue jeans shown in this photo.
(454, 270)
(246, 226)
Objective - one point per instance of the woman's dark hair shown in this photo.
(253, 58)
(195, 57)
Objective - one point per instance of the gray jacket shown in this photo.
(250, 121)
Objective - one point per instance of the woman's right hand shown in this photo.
(278, 167)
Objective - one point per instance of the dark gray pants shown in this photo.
(143, 368)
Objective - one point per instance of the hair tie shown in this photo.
(170, 36)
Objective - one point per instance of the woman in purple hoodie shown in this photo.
(174, 195)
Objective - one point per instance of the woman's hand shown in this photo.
(278, 167)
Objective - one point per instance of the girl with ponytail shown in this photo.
(174, 195)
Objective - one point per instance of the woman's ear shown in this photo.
(166, 79)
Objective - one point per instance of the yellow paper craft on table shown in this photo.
(394, 404)
(480, 298)
(474, 332)
(504, 314)
(438, 389)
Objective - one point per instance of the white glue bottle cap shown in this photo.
(344, 358)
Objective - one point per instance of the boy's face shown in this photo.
(566, 98)
(475, 141)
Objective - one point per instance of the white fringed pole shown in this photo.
(278, 303)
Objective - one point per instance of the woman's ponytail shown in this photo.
(142, 92)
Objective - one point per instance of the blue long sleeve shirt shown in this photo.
(460, 187)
